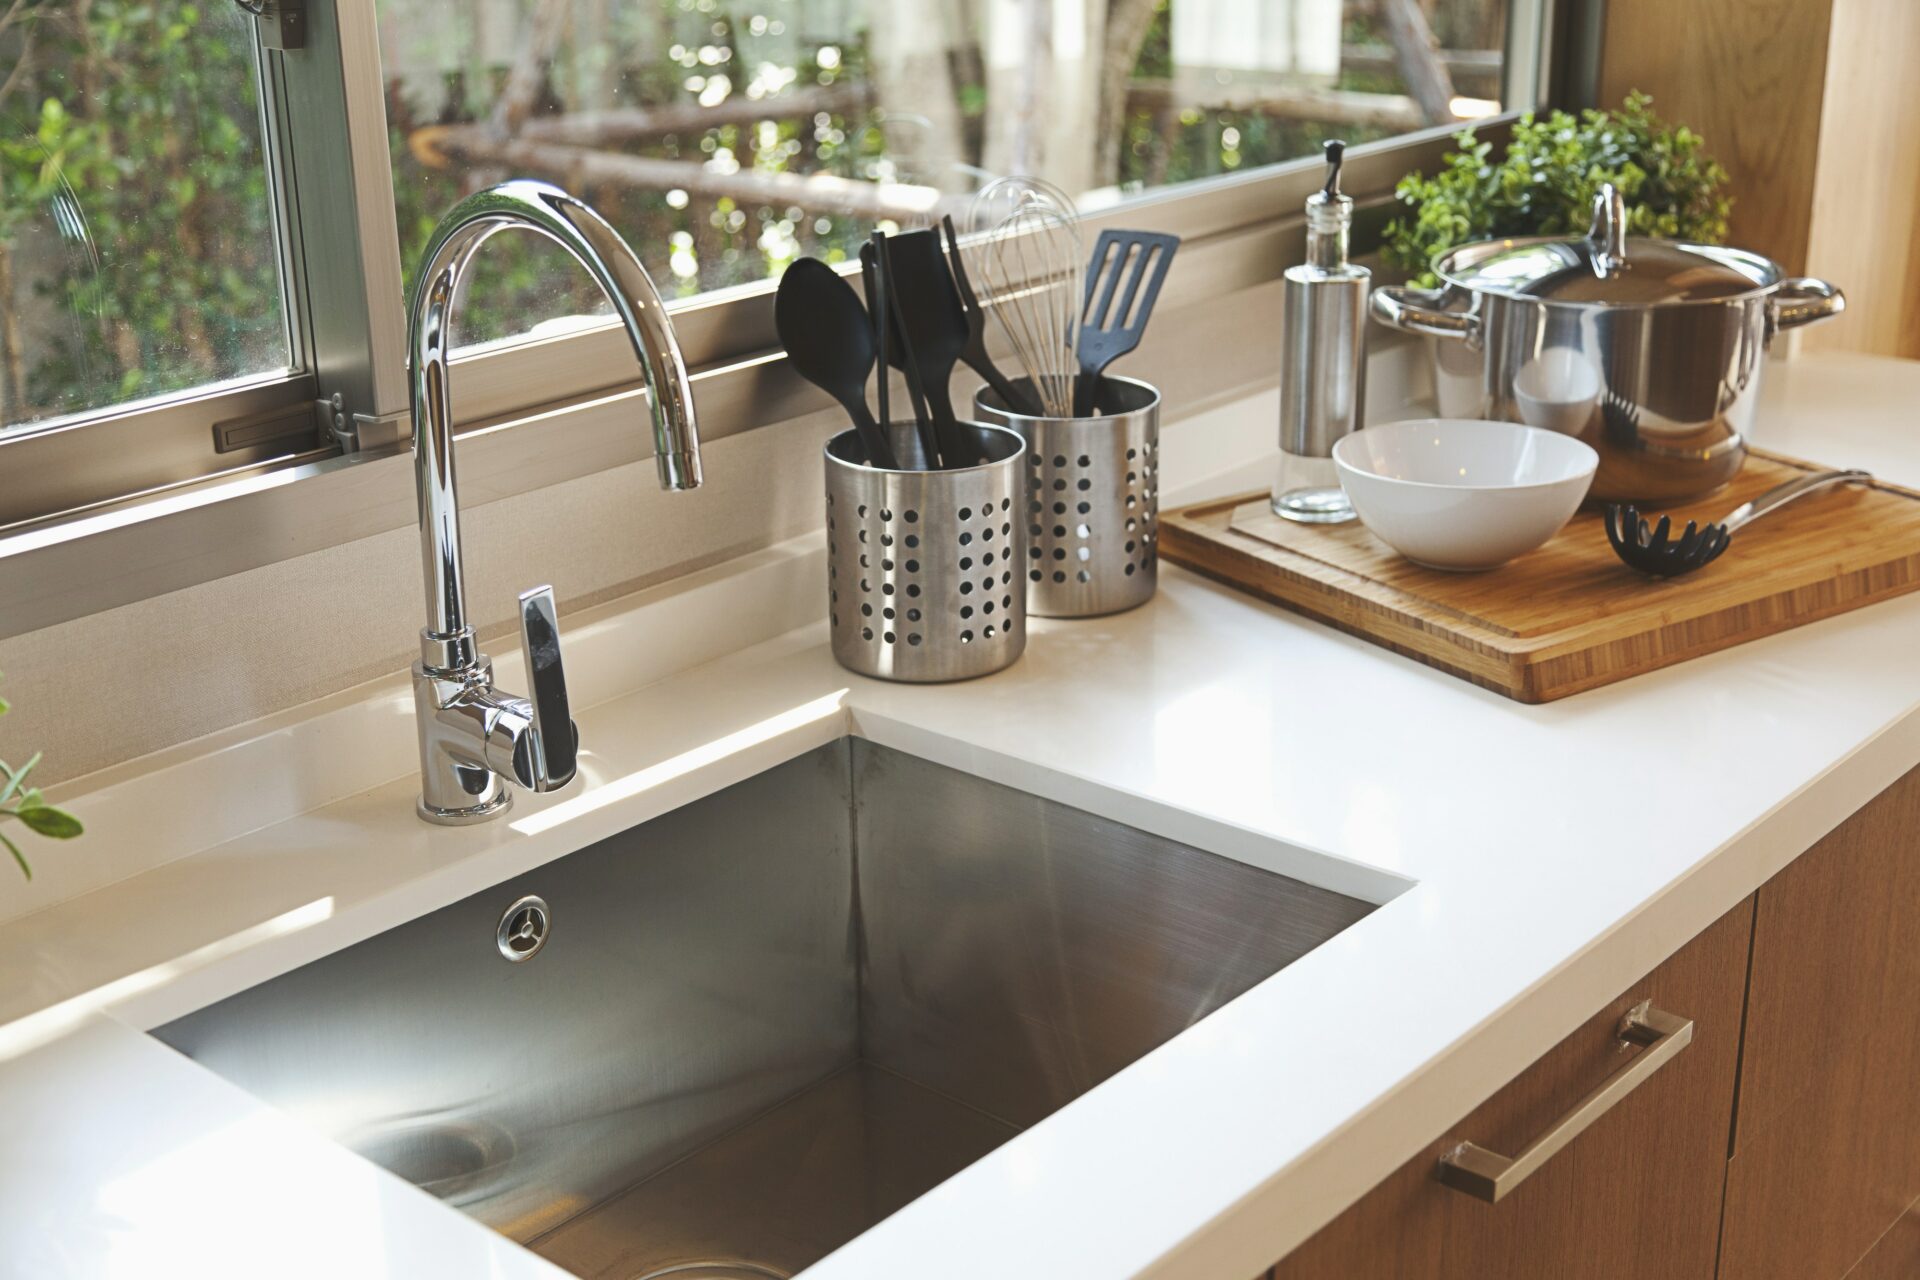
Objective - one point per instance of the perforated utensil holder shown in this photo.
(924, 567)
(1092, 500)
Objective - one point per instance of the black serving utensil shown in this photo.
(975, 352)
(878, 315)
(876, 259)
(1651, 549)
(830, 341)
(1132, 265)
(933, 317)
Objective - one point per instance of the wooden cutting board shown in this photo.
(1570, 616)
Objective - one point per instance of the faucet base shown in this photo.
(489, 806)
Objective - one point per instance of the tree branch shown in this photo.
(1482, 66)
(625, 124)
(1340, 106)
(585, 167)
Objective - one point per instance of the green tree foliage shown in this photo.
(129, 142)
(1546, 182)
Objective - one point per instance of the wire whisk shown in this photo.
(1035, 271)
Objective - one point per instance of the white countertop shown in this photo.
(1530, 870)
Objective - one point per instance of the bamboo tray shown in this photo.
(1570, 617)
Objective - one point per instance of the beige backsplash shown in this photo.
(103, 689)
(111, 686)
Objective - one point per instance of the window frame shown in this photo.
(344, 404)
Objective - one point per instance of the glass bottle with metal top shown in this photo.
(1323, 369)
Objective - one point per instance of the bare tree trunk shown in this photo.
(528, 75)
(1166, 126)
(1418, 57)
(1045, 104)
(1127, 25)
(913, 67)
(13, 392)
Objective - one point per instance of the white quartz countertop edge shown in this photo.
(1530, 870)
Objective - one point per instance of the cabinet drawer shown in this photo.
(1637, 1194)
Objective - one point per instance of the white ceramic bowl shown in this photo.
(1454, 493)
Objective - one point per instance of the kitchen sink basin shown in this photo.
(728, 1041)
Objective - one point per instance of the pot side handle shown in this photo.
(1804, 300)
(1414, 311)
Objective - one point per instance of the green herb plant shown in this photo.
(1546, 182)
(25, 805)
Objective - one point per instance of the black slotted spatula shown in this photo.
(1123, 281)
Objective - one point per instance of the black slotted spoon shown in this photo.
(1132, 265)
(1651, 549)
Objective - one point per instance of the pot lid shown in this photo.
(1607, 267)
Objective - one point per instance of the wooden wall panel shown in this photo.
(1814, 108)
(1866, 194)
(1749, 76)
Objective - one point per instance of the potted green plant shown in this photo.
(1545, 183)
(27, 806)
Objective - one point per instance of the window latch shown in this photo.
(282, 23)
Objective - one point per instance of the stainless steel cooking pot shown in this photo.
(1649, 350)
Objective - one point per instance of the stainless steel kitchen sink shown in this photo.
(754, 1027)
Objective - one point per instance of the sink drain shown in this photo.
(716, 1271)
(454, 1160)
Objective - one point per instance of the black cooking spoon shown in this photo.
(830, 341)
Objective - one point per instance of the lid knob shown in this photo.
(1607, 238)
(1335, 151)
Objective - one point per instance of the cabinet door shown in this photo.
(1826, 1154)
(1896, 1255)
(1637, 1195)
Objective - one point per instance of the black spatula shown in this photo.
(1123, 281)
(932, 316)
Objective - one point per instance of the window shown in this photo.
(726, 140)
(200, 277)
(137, 247)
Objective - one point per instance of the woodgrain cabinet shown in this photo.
(1783, 1143)
(1655, 1160)
(1826, 1149)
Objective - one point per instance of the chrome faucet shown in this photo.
(474, 738)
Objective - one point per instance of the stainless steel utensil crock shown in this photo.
(1649, 350)
(924, 566)
(1092, 501)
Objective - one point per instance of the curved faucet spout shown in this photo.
(596, 246)
(473, 737)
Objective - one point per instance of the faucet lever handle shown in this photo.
(555, 741)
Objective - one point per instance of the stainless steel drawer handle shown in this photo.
(1487, 1175)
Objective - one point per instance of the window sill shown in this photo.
(1211, 308)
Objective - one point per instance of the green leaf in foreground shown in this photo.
(18, 857)
(55, 824)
